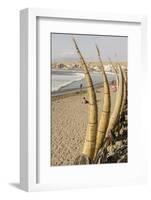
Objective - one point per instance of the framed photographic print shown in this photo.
(81, 85)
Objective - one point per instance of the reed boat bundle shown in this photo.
(96, 138)
(114, 116)
(118, 103)
(90, 138)
(124, 82)
(105, 114)
(124, 90)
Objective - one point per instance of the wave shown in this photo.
(60, 80)
(68, 80)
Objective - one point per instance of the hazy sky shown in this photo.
(63, 48)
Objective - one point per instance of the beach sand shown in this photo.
(69, 123)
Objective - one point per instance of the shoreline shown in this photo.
(71, 92)
(74, 85)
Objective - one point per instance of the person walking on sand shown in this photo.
(81, 86)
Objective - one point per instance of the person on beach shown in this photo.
(85, 101)
(113, 86)
(81, 86)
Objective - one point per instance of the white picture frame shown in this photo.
(29, 148)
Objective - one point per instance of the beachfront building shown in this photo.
(108, 68)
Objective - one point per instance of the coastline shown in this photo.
(69, 82)
(69, 92)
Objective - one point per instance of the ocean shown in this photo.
(63, 81)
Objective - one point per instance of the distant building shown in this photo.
(108, 68)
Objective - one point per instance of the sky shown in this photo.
(113, 47)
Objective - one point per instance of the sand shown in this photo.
(69, 123)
